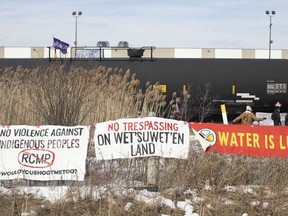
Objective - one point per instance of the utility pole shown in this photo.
(270, 14)
(76, 15)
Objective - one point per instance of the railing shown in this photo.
(107, 53)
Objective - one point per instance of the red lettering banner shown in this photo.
(261, 141)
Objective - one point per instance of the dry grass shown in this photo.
(216, 184)
(221, 179)
(62, 95)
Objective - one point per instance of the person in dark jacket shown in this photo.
(247, 117)
(276, 114)
(286, 120)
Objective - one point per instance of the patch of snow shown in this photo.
(186, 206)
(128, 206)
(229, 188)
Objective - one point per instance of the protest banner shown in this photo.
(90, 53)
(141, 137)
(250, 140)
(43, 153)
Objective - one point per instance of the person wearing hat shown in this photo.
(247, 117)
(276, 114)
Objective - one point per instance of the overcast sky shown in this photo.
(169, 23)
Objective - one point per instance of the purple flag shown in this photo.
(58, 44)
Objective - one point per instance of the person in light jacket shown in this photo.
(247, 117)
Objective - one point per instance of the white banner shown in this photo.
(43, 153)
(89, 53)
(141, 137)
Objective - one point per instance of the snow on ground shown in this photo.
(56, 193)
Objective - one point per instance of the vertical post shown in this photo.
(152, 166)
(224, 114)
(152, 171)
(49, 55)
(76, 15)
(75, 42)
(270, 29)
(101, 53)
(270, 41)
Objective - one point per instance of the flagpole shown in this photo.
(55, 53)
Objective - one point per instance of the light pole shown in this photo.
(270, 14)
(76, 15)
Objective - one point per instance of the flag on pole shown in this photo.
(58, 44)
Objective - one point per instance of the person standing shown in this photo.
(276, 115)
(247, 117)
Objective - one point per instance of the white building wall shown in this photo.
(228, 53)
(14, 52)
(264, 54)
(261, 54)
(276, 54)
(107, 53)
(188, 53)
